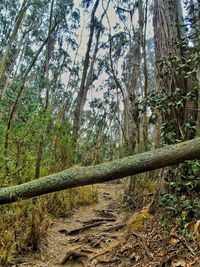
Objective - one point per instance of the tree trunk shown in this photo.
(12, 38)
(168, 34)
(194, 15)
(168, 38)
(14, 106)
(79, 100)
(116, 169)
(46, 104)
(145, 119)
(134, 88)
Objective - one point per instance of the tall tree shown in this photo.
(168, 36)
(176, 96)
(81, 97)
(145, 70)
(15, 30)
(47, 86)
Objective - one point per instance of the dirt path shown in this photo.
(85, 238)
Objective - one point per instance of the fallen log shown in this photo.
(116, 169)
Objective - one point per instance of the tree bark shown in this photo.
(168, 34)
(116, 169)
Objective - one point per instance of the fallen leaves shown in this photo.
(179, 263)
(174, 241)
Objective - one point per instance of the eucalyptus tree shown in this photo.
(113, 170)
(57, 62)
(80, 100)
(128, 49)
(172, 83)
(192, 27)
(88, 77)
(175, 96)
(20, 85)
(100, 134)
(32, 60)
(50, 43)
(6, 54)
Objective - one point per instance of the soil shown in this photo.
(98, 235)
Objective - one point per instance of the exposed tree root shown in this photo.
(99, 220)
(115, 227)
(80, 229)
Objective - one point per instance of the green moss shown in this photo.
(138, 220)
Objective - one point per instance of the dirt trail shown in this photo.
(85, 238)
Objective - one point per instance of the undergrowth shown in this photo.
(24, 224)
(139, 191)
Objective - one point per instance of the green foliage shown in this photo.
(63, 153)
(184, 202)
(168, 200)
(165, 103)
(183, 208)
(187, 178)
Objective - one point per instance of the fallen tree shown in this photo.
(116, 169)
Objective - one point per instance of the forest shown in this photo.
(100, 133)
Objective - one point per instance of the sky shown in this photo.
(85, 18)
(83, 36)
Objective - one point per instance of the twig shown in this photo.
(143, 241)
(184, 242)
(100, 254)
(18, 170)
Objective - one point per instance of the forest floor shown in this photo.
(98, 235)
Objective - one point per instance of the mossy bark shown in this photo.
(116, 169)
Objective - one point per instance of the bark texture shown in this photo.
(168, 35)
(116, 169)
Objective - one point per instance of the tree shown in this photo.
(29, 78)
(47, 93)
(15, 30)
(176, 88)
(81, 97)
(175, 94)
